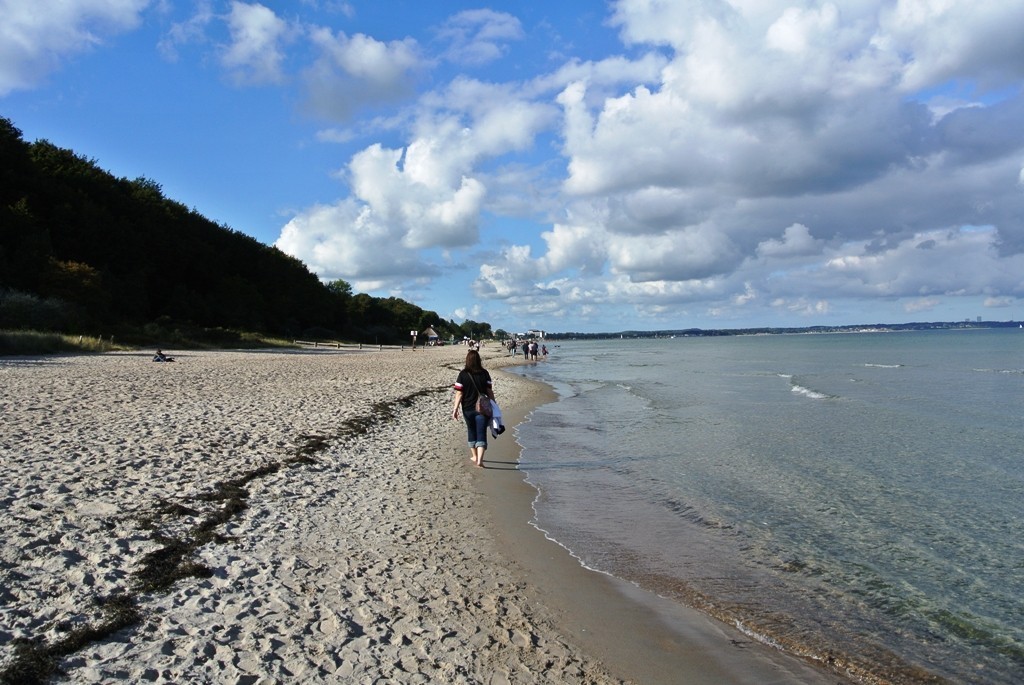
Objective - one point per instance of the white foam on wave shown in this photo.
(801, 390)
(1006, 371)
(807, 392)
(884, 366)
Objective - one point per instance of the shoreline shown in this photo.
(320, 521)
(638, 635)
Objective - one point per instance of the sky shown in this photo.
(569, 166)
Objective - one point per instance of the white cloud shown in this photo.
(35, 39)
(191, 30)
(430, 194)
(575, 247)
(949, 39)
(402, 201)
(752, 156)
(923, 304)
(515, 276)
(803, 306)
(601, 78)
(769, 113)
(420, 191)
(255, 54)
(479, 36)
(798, 30)
(346, 240)
(418, 195)
(492, 119)
(938, 262)
(741, 158)
(352, 72)
(687, 254)
(796, 241)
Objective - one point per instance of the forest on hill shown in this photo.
(82, 251)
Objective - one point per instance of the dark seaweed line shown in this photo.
(35, 660)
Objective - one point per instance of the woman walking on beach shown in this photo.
(473, 381)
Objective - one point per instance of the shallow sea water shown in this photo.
(854, 497)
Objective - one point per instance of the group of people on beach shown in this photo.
(532, 350)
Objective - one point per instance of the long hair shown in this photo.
(473, 363)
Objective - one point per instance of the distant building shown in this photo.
(534, 334)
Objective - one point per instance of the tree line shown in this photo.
(82, 251)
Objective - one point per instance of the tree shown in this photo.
(340, 288)
(84, 248)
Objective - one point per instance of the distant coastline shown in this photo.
(770, 330)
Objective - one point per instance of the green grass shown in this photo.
(26, 342)
(37, 342)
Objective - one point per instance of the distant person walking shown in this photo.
(473, 382)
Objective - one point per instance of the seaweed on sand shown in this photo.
(34, 660)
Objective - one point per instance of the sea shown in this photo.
(855, 498)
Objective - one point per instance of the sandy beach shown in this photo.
(266, 517)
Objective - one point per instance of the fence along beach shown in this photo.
(303, 516)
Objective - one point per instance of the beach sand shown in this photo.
(265, 517)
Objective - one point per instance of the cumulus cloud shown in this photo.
(955, 40)
(416, 196)
(516, 276)
(35, 40)
(255, 54)
(960, 261)
(346, 240)
(682, 255)
(739, 156)
(403, 201)
(779, 154)
(431, 193)
(480, 120)
(725, 158)
(355, 71)
(796, 241)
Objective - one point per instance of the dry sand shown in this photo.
(265, 517)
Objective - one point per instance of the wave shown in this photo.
(1014, 372)
(805, 391)
(883, 366)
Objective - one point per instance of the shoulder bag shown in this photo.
(483, 402)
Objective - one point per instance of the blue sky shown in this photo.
(570, 166)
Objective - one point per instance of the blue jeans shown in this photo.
(476, 428)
